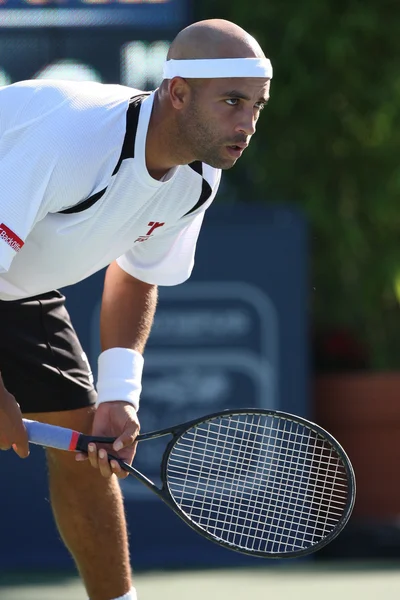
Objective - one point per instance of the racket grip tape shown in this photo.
(51, 436)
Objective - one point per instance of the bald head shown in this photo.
(214, 38)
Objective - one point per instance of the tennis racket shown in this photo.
(261, 482)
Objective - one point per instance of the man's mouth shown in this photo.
(236, 150)
(240, 146)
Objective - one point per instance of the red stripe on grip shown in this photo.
(74, 441)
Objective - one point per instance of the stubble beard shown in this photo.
(199, 138)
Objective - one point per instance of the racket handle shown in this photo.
(51, 436)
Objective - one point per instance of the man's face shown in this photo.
(221, 118)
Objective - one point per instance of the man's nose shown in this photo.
(247, 124)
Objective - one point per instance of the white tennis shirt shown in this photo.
(62, 143)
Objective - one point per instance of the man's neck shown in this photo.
(162, 144)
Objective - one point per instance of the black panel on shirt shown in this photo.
(206, 189)
(128, 151)
(206, 192)
(85, 204)
(197, 166)
(132, 119)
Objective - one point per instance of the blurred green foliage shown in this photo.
(330, 141)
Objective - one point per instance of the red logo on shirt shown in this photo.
(10, 238)
(153, 225)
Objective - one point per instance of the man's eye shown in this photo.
(232, 101)
(260, 105)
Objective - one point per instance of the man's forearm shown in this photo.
(127, 311)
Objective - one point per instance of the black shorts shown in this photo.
(41, 359)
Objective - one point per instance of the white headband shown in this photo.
(216, 68)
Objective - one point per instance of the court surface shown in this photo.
(369, 581)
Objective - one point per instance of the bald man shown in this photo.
(95, 176)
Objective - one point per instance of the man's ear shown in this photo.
(179, 92)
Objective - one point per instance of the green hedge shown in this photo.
(330, 141)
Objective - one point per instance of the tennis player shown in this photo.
(95, 176)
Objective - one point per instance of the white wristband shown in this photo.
(120, 376)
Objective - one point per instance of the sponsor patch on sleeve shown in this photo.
(10, 238)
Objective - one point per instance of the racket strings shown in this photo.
(280, 463)
(258, 482)
(215, 451)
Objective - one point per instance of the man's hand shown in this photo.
(118, 419)
(12, 430)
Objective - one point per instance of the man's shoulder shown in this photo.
(60, 90)
(94, 89)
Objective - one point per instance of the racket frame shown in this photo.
(177, 432)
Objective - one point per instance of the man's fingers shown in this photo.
(18, 442)
(104, 465)
(118, 470)
(110, 467)
(13, 432)
(21, 449)
(21, 442)
(81, 456)
(126, 439)
(93, 458)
